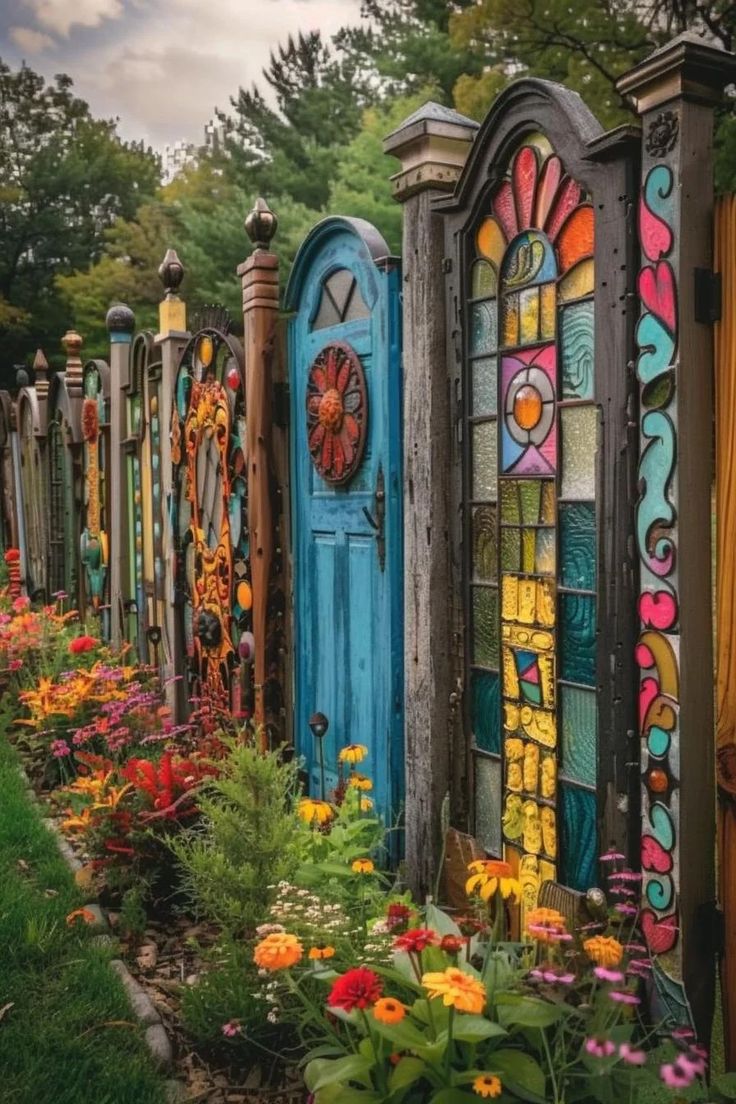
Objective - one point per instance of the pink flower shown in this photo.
(624, 876)
(552, 977)
(636, 948)
(60, 748)
(231, 1028)
(15, 664)
(612, 856)
(688, 1066)
(21, 603)
(640, 967)
(626, 910)
(631, 1055)
(623, 998)
(604, 974)
(599, 1047)
(673, 1079)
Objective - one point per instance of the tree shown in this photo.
(64, 179)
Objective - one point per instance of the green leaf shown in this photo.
(471, 1029)
(406, 1073)
(452, 1096)
(520, 1074)
(518, 1011)
(403, 1035)
(326, 1050)
(354, 1067)
(440, 921)
(726, 1085)
(345, 1094)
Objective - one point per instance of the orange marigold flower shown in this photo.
(278, 951)
(83, 914)
(457, 989)
(389, 1011)
(321, 951)
(360, 781)
(487, 1085)
(603, 950)
(362, 866)
(353, 753)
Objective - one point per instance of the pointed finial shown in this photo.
(171, 272)
(261, 224)
(40, 364)
(72, 343)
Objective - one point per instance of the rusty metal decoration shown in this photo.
(662, 134)
(212, 570)
(337, 412)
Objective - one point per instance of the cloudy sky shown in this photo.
(161, 66)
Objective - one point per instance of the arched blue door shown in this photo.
(345, 383)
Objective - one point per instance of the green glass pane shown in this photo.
(579, 734)
(578, 366)
(485, 626)
(510, 501)
(485, 548)
(484, 385)
(579, 442)
(482, 328)
(510, 320)
(485, 460)
(483, 280)
(577, 615)
(579, 838)
(548, 502)
(485, 711)
(528, 549)
(510, 550)
(577, 527)
(546, 552)
(488, 803)
(531, 493)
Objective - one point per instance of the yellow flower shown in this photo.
(113, 797)
(353, 753)
(389, 1011)
(362, 866)
(365, 804)
(312, 809)
(278, 951)
(321, 952)
(457, 989)
(360, 781)
(490, 876)
(81, 823)
(487, 1085)
(603, 950)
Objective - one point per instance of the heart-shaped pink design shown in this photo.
(660, 935)
(657, 292)
(654, 856)
(658, 609)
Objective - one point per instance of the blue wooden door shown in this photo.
(345, 385)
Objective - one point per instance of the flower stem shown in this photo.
(550, 1064)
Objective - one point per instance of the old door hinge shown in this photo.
(447, 264)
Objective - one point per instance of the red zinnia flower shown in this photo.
(397, 914)
(416, 940)
(452, 944)
(358, 988)
(82, 644)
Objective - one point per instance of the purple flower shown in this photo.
(604, 974)
(600, 1047)
(612, 856)
(631, 1055)
(626, 910)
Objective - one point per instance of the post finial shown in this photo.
(261, 224)
(40, 365)
(171, 272)
(120, 322)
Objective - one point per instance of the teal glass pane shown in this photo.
(485, 711)
(579, 734)
(579, 838)
(485, 547)
(485, 460)
(511, 550)
(577, 616)
(488, 803)
(484, 385)
(485, 626)
(577, 351)
(531, 494)
(510, 501)
(577, 528)
(482, 328)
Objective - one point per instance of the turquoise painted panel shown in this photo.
(485, 712)
(577, 631)
(579, 837)
(579, 734)
(577, 527)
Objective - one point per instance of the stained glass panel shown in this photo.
(529, 315)
(482, 328)
(531, 492)
(485, 713)
(484, 438)
(510, 315)
(511, 550)
(579, 734)
(577, 351)
(484, 374)
(488, 803)
(485, 626)
(510, 501)
(545, 552)
(579, 281)
(579, 440)
(528, 550)
(483, 280)
(577, 616)
(577, 523)
(485, 553)
(579, 836)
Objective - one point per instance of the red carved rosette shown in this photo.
(337, 412)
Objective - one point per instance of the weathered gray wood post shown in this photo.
(675, 91)
(120, 322)
(431, 145)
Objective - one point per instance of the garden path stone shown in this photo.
(159, 1045)
(141, 1003)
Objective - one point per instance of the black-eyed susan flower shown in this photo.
(491, 876)
(321, 951)
(487, 1085)
(360, 781)
(353, 753)
(312, 810)
(362, 866)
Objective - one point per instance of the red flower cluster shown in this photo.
(82, 644)
(397, 915)
(168, 783)
(357, 988)
(416, 940)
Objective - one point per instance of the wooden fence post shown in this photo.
(675, 91)
(120, 322)
(260, 277)
(431, 145)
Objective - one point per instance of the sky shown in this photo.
(160, 66)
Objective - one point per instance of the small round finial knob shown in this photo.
(120, 319)
(261, 224)
(72, 342)
(171, 271)
(22, 378)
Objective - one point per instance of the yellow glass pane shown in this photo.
(527, 601)
(549, 831)
(528, 316)
(579, 281)
(491, 241)
(548, 777)
(548, 311)
(510, 328)
(548, 502)
(540, 725)
(528, 549)
(539, 141)
(510, 690)
(546, 603)
(545, 552)
(483, 282)
(509, 597)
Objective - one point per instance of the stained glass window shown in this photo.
(532, 531)
(340, 300)
(95, 436)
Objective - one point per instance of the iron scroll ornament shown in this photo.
(337, 412)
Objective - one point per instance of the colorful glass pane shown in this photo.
(510, 319)
(579, 425)
(511, 549)
(485, 626)
(531, 493)
(491, 241)
(577, 351)
(578, 624)
(485, 712)
(488, 803)
(483, 281)
(510, 501)
(529, 316)
(485, 554)
(545, 556)
(482, 328)
(577, 524)
(579, 734)
(485, 438)
(575, 241)
(484, 373)
(579, 837)
(579, 281)
(548, 503)
(529, 434)
(528, 550)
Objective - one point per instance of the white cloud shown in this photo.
(30, 41)
(61, 15)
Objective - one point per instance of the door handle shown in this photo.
(377, 523)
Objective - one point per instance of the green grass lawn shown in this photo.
(59, 1042)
